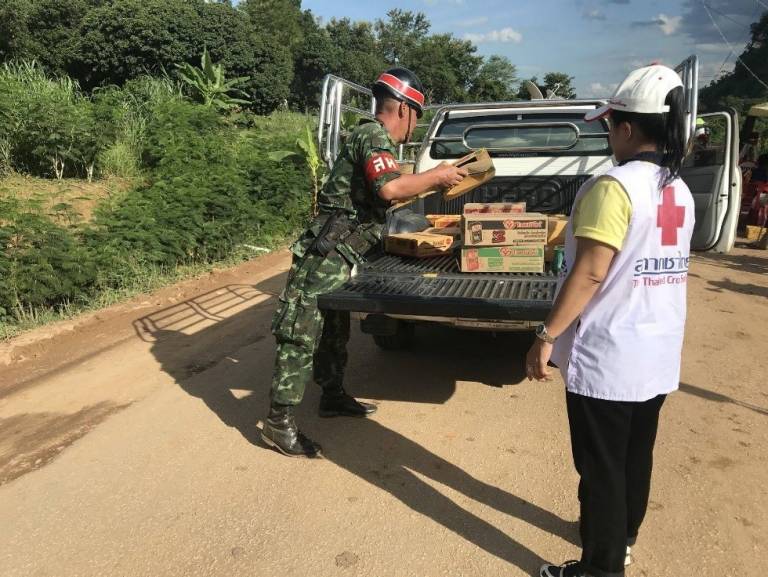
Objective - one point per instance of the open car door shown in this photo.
(712, 173)
(711, 169)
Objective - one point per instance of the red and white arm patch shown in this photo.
(379, 164)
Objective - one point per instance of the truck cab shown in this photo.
(543, 151)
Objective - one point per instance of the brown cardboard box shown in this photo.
(502, 259)
(444, 220)
(504, 229)
(556, 224)
(418, 244)
(754, 233)
(494, 207)
(480, 167)
(452, 231)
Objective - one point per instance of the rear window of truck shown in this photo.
(505, 135)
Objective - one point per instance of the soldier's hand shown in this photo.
(448, 175)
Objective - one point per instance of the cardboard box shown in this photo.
(444, 220)
(452, 231)
(502, 259)
(755, 232)
(556, 224)
(494, 207)
(480, 167)
(504, 229)
(419, 244)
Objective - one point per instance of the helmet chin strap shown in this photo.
(409, 131)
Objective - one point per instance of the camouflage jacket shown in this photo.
(364, 165)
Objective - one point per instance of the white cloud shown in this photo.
(669, 24)
(504, 35)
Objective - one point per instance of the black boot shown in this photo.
(338, 403)
(280, 432)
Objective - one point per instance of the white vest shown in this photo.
(626, 345)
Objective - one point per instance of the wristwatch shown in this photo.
(541, 332)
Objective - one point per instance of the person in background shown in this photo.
(748, 154)
(616, 327)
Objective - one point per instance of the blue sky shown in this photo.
(596, 41)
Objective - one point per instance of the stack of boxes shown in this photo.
(502, 237)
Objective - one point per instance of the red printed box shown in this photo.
(504, 229)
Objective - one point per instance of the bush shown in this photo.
(282, 192)
(195, 206)
(42, 263)
(49, 126)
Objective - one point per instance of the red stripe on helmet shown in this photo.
(402, 88)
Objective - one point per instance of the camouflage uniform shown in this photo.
(307, 337)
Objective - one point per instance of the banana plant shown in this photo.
(306, 151)
(209, 86)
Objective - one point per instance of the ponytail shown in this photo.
(674, 137)
(666, 130)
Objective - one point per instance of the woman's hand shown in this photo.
(536, 361)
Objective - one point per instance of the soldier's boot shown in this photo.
(281, 433)
(337, 403)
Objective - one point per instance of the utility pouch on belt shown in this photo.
(331, 231)
(348, 238)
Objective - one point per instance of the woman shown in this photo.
(616, 327)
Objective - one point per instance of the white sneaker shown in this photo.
(628, 557)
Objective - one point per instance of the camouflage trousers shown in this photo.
(310, 343)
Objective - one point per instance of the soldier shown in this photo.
(352, 210)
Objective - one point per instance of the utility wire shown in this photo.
(730, 52)
(717, 27)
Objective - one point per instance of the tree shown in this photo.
(56, 25)
(559, 84)
(446, 67)
(495, 81)
(400, 35)
(15, 39)
(356, 54)
(740, 88)
(270, 83)
(244, 49)
(126, 39)
(280, 19)
(314, 58)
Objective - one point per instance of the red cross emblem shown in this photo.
(669, 217)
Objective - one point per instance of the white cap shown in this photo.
(643, 91)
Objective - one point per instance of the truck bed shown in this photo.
(434, 287)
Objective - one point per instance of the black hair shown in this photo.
(666, 130)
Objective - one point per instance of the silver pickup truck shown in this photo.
(543, 151)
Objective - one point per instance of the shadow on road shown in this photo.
(756, 262)
(719, 398)
(218, 348)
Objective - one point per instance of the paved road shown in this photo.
(128, 446)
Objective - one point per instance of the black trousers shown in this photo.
(612, 443)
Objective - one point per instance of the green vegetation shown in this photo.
(201, 189)
(740, 89)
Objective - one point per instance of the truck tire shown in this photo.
(402, 339)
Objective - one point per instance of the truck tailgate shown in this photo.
(435, 287)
